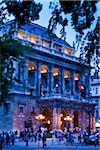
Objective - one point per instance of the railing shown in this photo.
(49, 50)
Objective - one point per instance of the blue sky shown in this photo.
(45, 16)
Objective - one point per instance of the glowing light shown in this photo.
(61, 115)
(48, 121)
(81, 87)
(40, 117)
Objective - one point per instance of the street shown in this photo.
(50, 146)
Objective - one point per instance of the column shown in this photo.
(72, 83)
(35, 76)
(58, 118)
(71, 122)
(63, 81)
(59, 80)
(87, 85)
(51, 79)
(38, 79)
(48, 80)
(54, 118)
(26, 72)
(52, 48)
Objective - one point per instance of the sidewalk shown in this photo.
(51, 144)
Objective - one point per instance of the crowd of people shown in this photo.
(65, 136)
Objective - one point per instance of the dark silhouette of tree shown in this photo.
(23, 11)
(12, 50)
(82, 16)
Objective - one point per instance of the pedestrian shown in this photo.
(7, 139)
(27, 138)
(44, 140)
(1, 141)
(12, 138)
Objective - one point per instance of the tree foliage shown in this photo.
(12, 50)
(23, 11)
(82, 16)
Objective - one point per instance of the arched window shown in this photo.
(67, 79)
(76, 79)
(44, 71)
(31, 73)
(56, 78)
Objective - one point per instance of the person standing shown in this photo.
(44, 139)
(12, 138)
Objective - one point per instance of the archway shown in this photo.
(76, 116)
(47, 122)
(64, 114)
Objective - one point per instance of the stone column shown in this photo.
(72, 83)
(52, 48)
(71, 122)
(58, 118)
(38, 79)
(26, 75)
(63, 81)
(48, 80)
(59, 81)
(51, 79)
(54, 118)
(35, 76)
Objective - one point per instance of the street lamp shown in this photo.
(68, 118)
(40, 117)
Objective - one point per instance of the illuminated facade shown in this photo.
(48, 94)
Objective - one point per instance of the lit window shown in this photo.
(21, 34)
(32, 38)
(45, 43)
(68, 51)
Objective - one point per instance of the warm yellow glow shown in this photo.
(21, 34)
(44, 69)
(76, 76)
(56, 72)
(61, 115)
(97, 124)
(48, 121)
(68, 118)
(65, 118)
(68, 51)
(66, 74)
(40, 117)
(32, 38)
(31, 66)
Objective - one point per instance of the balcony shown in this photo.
(53, 51)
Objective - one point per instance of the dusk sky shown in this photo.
(45, 16)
